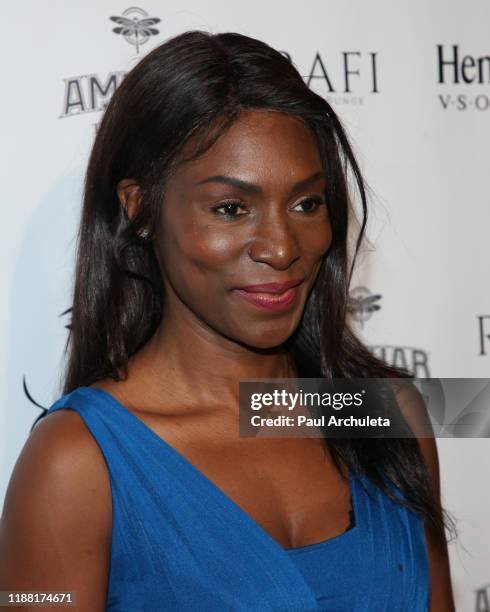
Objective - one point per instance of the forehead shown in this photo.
(261, 146)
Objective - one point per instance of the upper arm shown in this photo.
(55, 527)
(415, 412)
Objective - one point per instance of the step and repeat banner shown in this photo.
(411, 83)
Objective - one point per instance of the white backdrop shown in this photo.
(411, 81)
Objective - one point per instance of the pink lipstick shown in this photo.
(272, 296)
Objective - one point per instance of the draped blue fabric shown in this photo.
(180, 543)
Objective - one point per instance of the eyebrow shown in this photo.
(253, 188)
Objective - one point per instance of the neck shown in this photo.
(189, 363)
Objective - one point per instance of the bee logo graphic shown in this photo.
(362, 304)
(135, 26)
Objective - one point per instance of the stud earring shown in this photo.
(143, 233)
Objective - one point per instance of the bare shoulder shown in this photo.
(61, 450)
(55, 527)
(65, 433)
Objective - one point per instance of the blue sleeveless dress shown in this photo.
(179, 543)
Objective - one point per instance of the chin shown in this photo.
(268, 340)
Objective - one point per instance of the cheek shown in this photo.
(315, 245)
(317, 241)
(208, 248)
(194, 252)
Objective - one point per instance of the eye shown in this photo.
(230, 207)
(312, 204)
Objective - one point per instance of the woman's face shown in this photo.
(251, 210)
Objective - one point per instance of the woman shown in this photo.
(216, 170)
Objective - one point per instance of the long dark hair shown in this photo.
(195, 85)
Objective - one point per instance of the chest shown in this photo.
(289, 487)
(200, 550)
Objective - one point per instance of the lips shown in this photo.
(272, 287)
(277, 297)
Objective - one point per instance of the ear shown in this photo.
(129, 194)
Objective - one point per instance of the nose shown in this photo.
(275, 242)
